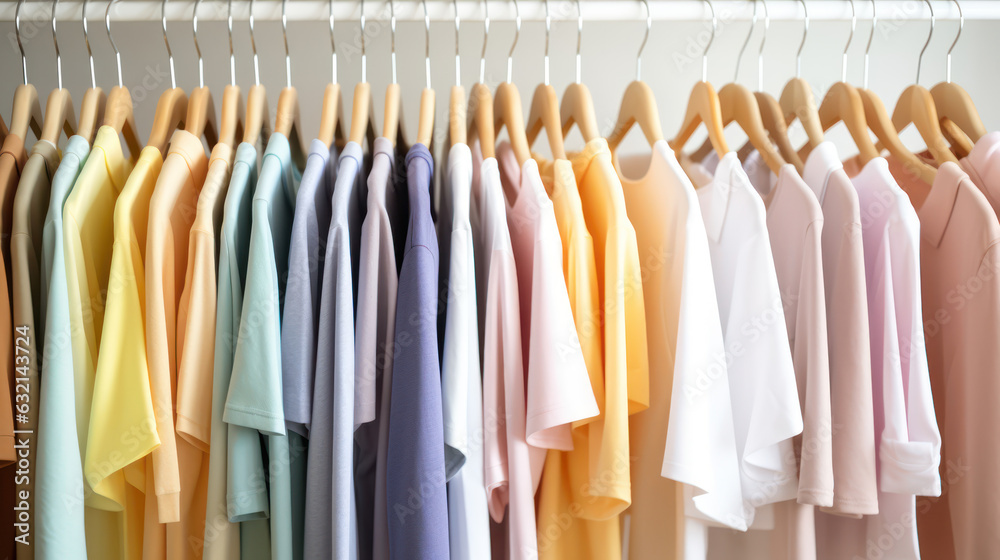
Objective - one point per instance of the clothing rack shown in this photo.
(530, 10)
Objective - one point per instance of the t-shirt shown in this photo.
(461, 383)
(416, 435)
(330, 519)
(59, 511)
(377, 280)
(235, 525)
(686, 340)
(30, 205)
(255, 399)
(88, 234)
(983, 167)
(959, 256)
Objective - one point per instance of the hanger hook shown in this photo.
(55, 43)
(579, 38)
(197, 48)
(763, 38)
(17, 30)
(253, 46)
(166, 41)
(868, 47)
(739, 57)
(805, 33)
(284, 36)
(548, 31)
(427, 46)
(333, 45)
(486, 38)
(111, 39)
(930, 34)
(232, 53)
(854, 24)
(458, 59)
(704, 53)
(517, 35)
(364, 53)
(642, 47)
(392, 35)
(961, 26)
(86, 40)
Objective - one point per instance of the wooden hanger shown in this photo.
(287, 116)
(638, 106)
(796, 99)
(955, 106)
(392, 119)
(26, 113)
(59, 113)
(544, 111)
(331, 130)
(480, 111)
(843, 103)
(425, 120)
(171, 109)
(362, 110)
(94, 99)
(200, 119)
(119, 114)
(879, 122)
(231, 116)
(257, 124)
(507, 110)
(577, 106)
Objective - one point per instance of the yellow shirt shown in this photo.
(88, 237)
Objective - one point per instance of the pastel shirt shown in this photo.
(59, 525)
(685, 341)
(375, 327)
(507, 456)
(330, 519)
(461, 383)
(763, 391)
(12, 161)
(558, 386)
(234, 453)
(255, 399)
(88, 235)
(30, 205)
(416, 442)
(983, 167)
(851, 407)
(959, 256)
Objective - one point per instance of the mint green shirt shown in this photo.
(59, 469)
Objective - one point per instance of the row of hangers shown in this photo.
(945, 115)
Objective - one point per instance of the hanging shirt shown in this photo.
(196, 318)
(959, 252)
(506, 452)
(416, 442)
(255, 399)
(59, 511)
(983, 167)
(88, 234)
(375, 327)
(236, 525)
(763, 392)
(558, 386)
(851, 408)
(30, 205)
(686, 342)
(330, 520)
(461, 383)
(566, 476)
(12, 161)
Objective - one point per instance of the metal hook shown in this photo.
(333, 45)
(458, 60)
(364, 53)
(868, 47)
(197, 48)
(486, 38)
(17, 30)
(170, 54)
(86, 39)
(961, 26)
(548, 31)
(843, 62)
(55, 42)
(232, 53)
(253, 45)
(642, 47)
(579, 38)
(392, 29)
(284, 36)
(704, 53)
(111, 39)
(517, 35)
(739, 57)
(805, 33)
(427, 46)
(760, 51)
(930, 34)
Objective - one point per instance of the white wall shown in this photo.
(671, 62)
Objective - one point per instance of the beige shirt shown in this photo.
(960, 261)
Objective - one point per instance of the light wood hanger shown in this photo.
(480, 111)
(59, 113)
(331, 129)
(796, 100)
(507, 110)
(456, 100)
(232, 111)
(392, 118)
(257, 125)
(362, 111)
(171, 109)
(119, 114)
(577, 107)
(638, 106)
(703, 106)
(287, 116)
(425, 120)
(94, 100)
(200, 119)
(544, 112)
(954, 104)
(27, 110)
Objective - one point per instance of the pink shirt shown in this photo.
(983, 166)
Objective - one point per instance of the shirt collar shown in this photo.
(189, 147)
(935, 212)
(118, 167)
(822, 161)
(714, 196)
(49, 153)
(983, 166)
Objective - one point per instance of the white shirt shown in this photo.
(461, 385)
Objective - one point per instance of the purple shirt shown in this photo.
(416, 491)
